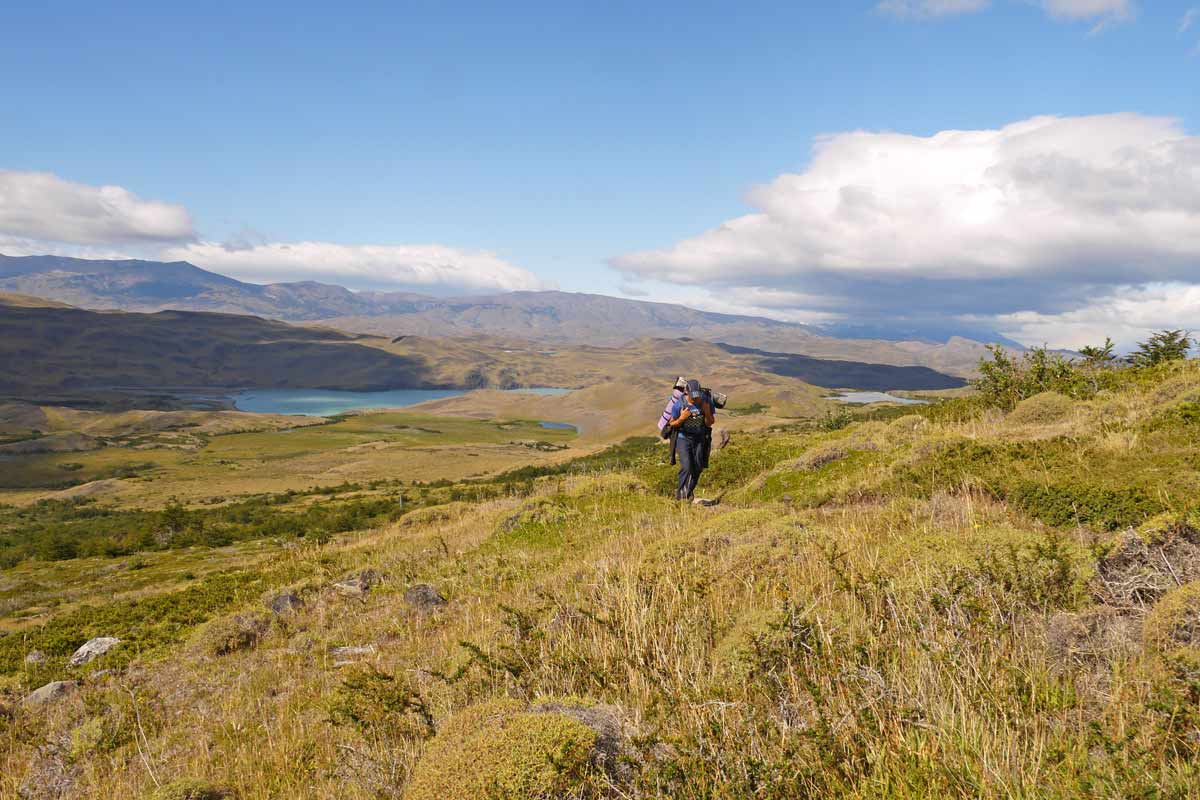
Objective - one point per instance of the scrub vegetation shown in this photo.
(990, 596)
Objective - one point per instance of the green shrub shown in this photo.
(143, 625)
(375, 702)
(1101, 507)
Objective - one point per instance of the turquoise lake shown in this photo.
(327, 402)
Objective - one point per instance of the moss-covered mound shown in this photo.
(503, 749)
(1042, 409)
(230, 634)
(1175, 620)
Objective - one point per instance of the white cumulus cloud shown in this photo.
(42, 206)
(1102, 197)
(1128, 314)
(1034, 217)
(430, 267)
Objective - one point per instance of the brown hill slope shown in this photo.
(552, 317)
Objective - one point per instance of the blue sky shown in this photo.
(588, 146)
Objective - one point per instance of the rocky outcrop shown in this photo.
(358, 584)
(49, 693)
(92, 650)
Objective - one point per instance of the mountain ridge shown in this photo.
(548, 316)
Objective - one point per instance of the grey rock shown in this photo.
(424, 597)
(357, 584)
(35, 657)
(50, 692)
(285, 602)
(705, 501)
(721, 437)
(92, 650)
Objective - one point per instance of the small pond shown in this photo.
(876, 397)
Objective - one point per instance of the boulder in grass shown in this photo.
(357, 584)
(50, 692)
(424, 597)
(92, 650)
(35, 658)
(285, 603)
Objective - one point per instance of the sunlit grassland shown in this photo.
(869, 613)
(360, 448)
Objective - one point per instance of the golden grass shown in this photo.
(862, 646)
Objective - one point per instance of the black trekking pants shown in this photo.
(690, 451)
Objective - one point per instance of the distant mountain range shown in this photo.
(552, 317)
(57, 354)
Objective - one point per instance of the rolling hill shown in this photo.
(552, 317)
(72, 356)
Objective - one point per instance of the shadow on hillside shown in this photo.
(62, 350)
(847, 374)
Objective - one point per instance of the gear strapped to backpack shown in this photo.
(694, 425)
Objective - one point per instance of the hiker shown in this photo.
(691, 424)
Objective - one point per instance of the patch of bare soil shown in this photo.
(1130, 580)
(91, 489)
(1142, 568)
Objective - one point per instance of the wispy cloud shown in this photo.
(1102, 13)
(930, 8)
(1189, 19)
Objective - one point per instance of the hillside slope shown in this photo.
(555, 318)
(63, 350)
(148, 286)
(58, 352)
(963, 602)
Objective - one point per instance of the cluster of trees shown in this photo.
(1006, 380)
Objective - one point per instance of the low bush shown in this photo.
(1097, 506)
